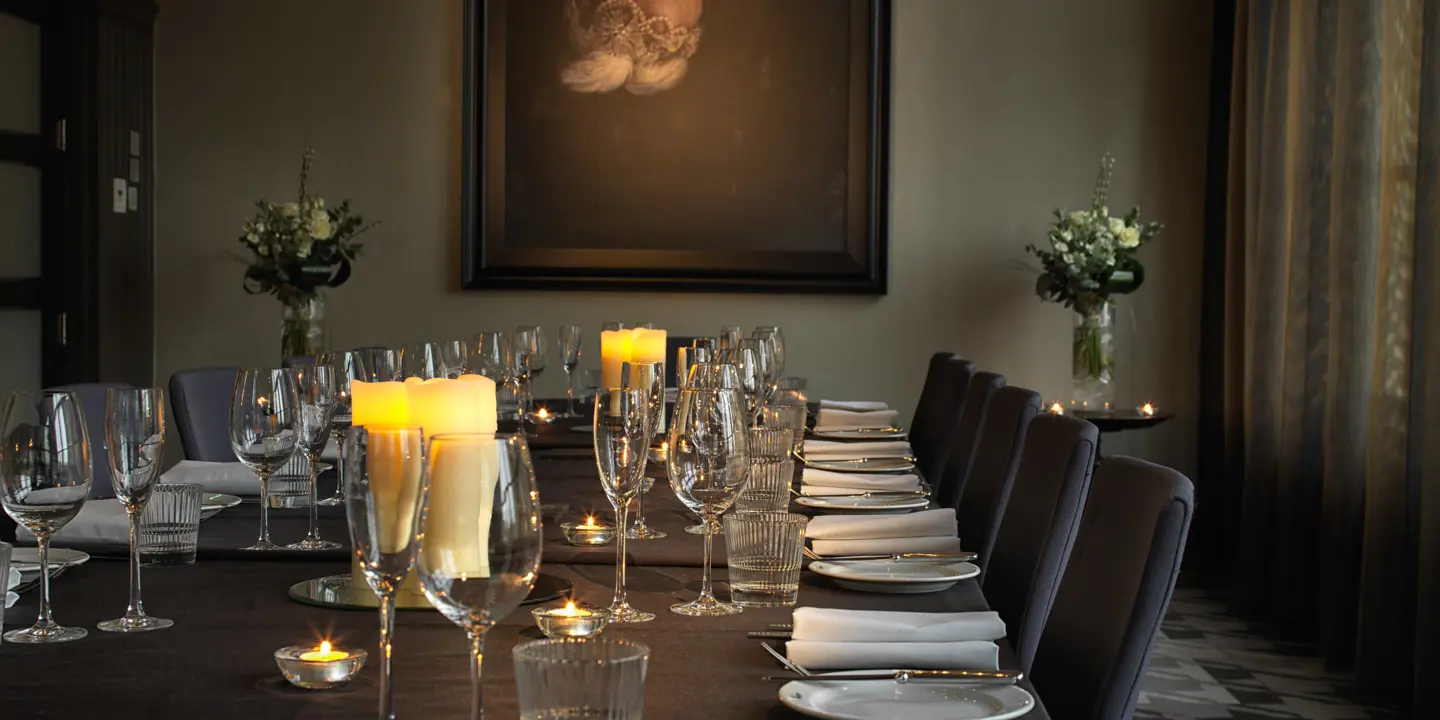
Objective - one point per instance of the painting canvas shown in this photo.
(676, 144)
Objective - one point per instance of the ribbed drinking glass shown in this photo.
(581, 678)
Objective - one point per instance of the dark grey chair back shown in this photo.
(298, 361)
(1115, 591)
(938, 411)
(92, 406)
(967, 434)
(992, 472)
(201, 401)
(1039, 526)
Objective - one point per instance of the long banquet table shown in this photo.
(232, 611)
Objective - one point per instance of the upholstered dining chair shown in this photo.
(963, 441)
(992, 473)
(1115, 591)
(1038, 528)
(298, 361)
(201, 401)
(92, 406)
(938, 411)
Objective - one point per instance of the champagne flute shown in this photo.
(385, 476)
(421, 360)
(708, 466)
(379, 365)
(622, 444)
(264, 422)
(569, 358)
(315, 387)
(778, 339)
(647, 376)
(348, 367)
(480, 535)
(529, 343)
(45, 477)
(134, 441)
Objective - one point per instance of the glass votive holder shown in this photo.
(571, 677)
(660, 453)
(571, 620)
(319, 668)
(588, 533)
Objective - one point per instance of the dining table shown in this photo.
(233, 609)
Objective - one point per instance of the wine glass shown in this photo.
(752, 378)
(713, 374)
(730, 337)
(766, 362)
(480, 535)
(385, 475)
(489, 359)
(349, 367)
(608, 326)
(134, 444)
(529, 342)
(264, 431)
(379, 365)
(569, 358)
(421, 360)
(647, 376)
(773, 333)
(454, 358)
(45, 477)
(622, 444)
(316, 389)
(708, 466)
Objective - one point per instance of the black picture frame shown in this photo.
(492, 260)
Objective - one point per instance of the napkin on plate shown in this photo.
(837, 419)
(99, 522)
(230, 478)
(853, 405)
(826, 482)
(10, 582)
(925, 531)
(834, 450)
(829, 639)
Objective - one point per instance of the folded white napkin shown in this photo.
(331, 453)
(925, 531)
(99, 522)
(835, 450)
(854, 483)
(836, 419)
(964, 655)
(10, 599)
(853, 405)
(13, 580)
(833, 625)
(230, 478)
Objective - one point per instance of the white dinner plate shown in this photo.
(869, 434)
(917, 700)
(907, 577)
(878, 505)
(870, 465)
(27, 560)
(212, 503)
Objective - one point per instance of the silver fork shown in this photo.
(22, 588)
(792, 667)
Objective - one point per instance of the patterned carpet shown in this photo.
(1208, 664)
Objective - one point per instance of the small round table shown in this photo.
(1120, 421)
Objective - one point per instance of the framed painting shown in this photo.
(708, 145)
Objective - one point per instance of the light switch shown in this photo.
(118, 197)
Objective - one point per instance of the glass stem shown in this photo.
(622, 517)
(477, 656)
(339, 495)
(569, 391)
(135, 609)
(311, 460)
(640, 508)
(387, 628)
(707, 595)
(44, 620)
(264, 506)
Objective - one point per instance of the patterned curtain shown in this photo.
(1331, 342)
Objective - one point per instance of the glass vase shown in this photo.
(302, 330)
(1093, 359)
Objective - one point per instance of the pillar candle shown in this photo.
(379, 404)
(463, 476)
(648, 346)
(614, 353)
(463, 405)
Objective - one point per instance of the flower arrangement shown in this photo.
(1091, 258)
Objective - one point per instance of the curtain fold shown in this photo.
(1331, 351)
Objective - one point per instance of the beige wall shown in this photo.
(1000, 111)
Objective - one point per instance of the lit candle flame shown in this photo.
(542, 413)
(1147, 409)
(325, 654)
(589, 521)
(262, 401)
(1057, 409)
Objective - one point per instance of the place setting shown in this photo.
(895, 554)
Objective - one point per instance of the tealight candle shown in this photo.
(1057, 409)
(589, 532)
(543, 415)
(570, 620)
(1148, 410)
(319, 668)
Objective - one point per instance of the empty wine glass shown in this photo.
(528, 343)
(708, 466)
(730, 337)
(622, 444)
(45, 477)
(264, 425)
(454, 358)
(349, 367)
(316, 389)
(134, 444)
(489, 358)
(711, 373)
(421, 360)
(752, 379)
(480, 535)
(385, 475)
(647, 376)
(379, 364)
(778, 338)
(765, 360)
(569, 358)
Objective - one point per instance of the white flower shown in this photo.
(1061, 247)
(302, 249)
(1129, 237)
(1104, 211)
(1078, 218)
(252, 239)
(1066, 235)
(320, 225)
(290, 209)
(1068, 258)
(1116, 225)
(263, 250)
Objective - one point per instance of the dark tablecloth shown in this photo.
(232, 614)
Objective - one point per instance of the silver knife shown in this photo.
(973, 677)
(905, 557)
